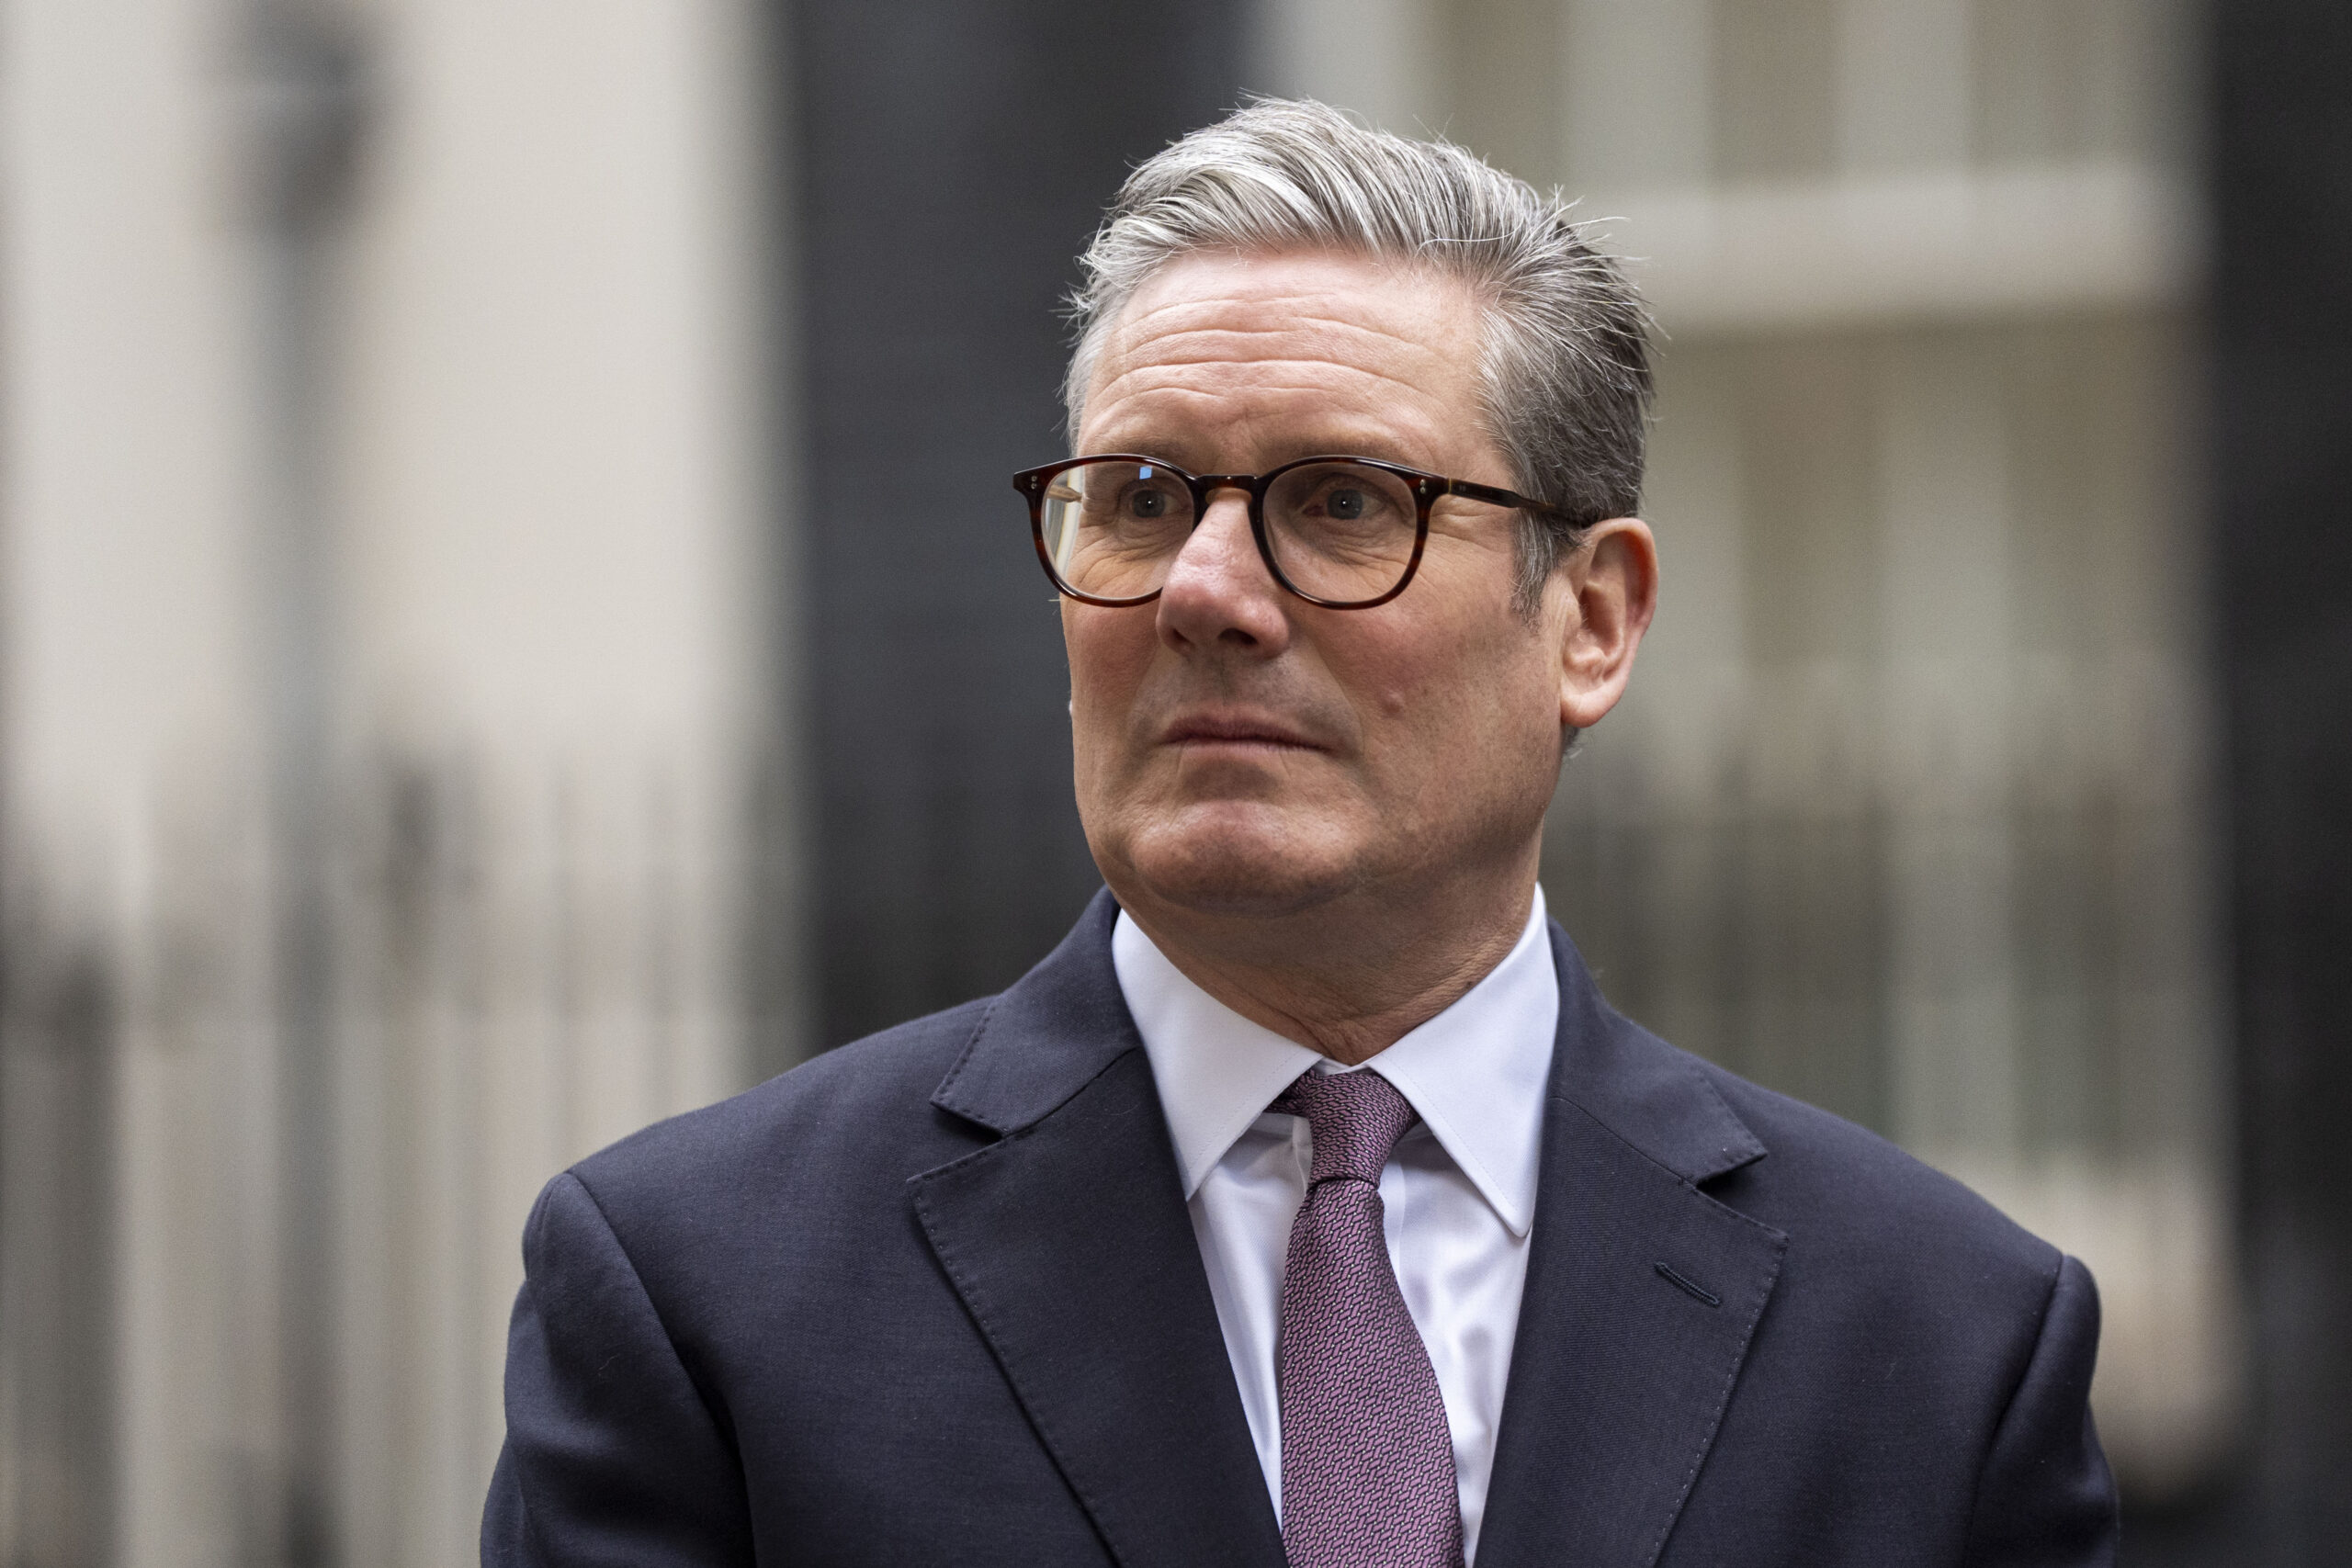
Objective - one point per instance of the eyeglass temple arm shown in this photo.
(1494, 496)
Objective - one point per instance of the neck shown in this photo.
(1341, 977)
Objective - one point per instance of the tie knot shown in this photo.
(1357, 1118)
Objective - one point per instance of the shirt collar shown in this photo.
(1475, 1073)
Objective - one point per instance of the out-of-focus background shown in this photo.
(513, 624)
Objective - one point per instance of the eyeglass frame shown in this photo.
(1427, 489)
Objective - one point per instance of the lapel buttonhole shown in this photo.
(1687, 1287)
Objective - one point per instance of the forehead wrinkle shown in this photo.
(1214, 347)
(1168, 373)
(1381, 311)
(1246, 415)
(1230, 340)
(1155, 421)
(1249, 289)
(1408, 434)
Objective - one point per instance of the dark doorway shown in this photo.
(950, 158)
(2282, 548)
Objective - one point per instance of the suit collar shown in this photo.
(1048, 1036)
(1656, 1099)
(1066, 1021)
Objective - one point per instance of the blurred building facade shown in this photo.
(511, 623)
(385, 701)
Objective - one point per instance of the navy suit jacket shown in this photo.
(934, 1298)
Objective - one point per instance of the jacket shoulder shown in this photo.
(1916, 1380)
(1848, 1192)
(863, 1106)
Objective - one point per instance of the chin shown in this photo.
(1237, 862)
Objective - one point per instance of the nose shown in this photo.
(1219, 594)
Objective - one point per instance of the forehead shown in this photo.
(1286, 355)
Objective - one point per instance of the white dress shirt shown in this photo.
(1459, 1188)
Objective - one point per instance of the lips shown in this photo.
(1236, 730)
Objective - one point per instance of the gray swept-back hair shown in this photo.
(1564, 361)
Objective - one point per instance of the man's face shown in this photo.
(1240, 751)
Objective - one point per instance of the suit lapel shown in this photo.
(1641, 1295)
(1070, 1245)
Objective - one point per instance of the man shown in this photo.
(1307, 1203)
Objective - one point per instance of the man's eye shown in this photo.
(1347, 505)
(1149, 504)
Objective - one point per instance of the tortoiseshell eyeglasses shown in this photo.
(1344, 532)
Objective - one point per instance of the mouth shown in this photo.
(1253, 731)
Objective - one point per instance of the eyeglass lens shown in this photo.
(1340, 532)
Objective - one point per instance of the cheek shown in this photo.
(1457, 691)
(1110, 652)
(1432, 674)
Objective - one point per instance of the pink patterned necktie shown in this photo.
(1367, 1460)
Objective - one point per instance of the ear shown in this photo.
(1612, 585)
